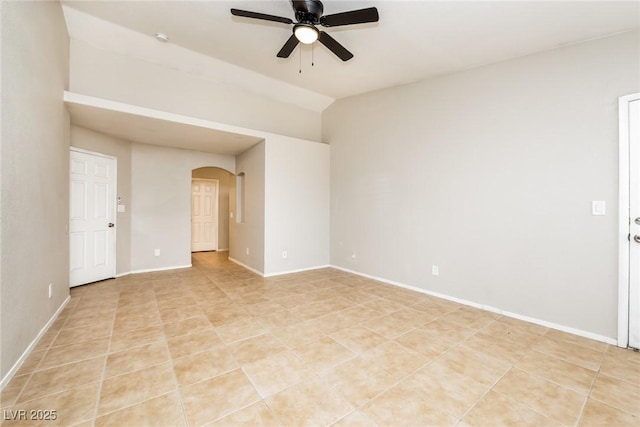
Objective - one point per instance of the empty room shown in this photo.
(305, 213)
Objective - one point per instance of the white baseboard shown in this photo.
(246, 266)
(16, 366)
(300, 270)
(278, 273)
(222, 250)
(152, 270)
(537, 321)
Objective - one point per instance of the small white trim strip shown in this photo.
(16, 366)
(152, 270)
(296, 271)
(551, 325)
(246, 266)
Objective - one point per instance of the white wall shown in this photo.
(296, 205)
(490, 174)
(286, 206)
(250, 234)
(105, 144)
(161, 203)
(117, 77)
(225, 180)
(34, 173)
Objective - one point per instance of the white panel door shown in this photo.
(204, 215)
(634, 224)
(92, 218)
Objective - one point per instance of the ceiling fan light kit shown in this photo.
(305, 33)
(309, 13)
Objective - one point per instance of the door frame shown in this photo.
(113, 206)
(216, 215)
(624, 218)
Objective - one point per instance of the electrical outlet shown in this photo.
(50, 290)
(156, 252)
(284, 254)
(435, 270)
(353, 255)
(247, 251)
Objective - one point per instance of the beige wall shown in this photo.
(161, 203)
(490, 174)
(296, 205)
(117, 77)
(224, 181)
(120, 149)
(251, 233)
(34, 173)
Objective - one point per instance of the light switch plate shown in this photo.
(598, 207)
(120, 208)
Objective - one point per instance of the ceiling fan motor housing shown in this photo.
(308, 11)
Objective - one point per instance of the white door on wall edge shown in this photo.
(92, 211)
(204, 215)
(629, 222)
(634, 224)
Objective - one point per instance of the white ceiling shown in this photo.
(414, 40)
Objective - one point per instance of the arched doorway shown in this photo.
(210, 188)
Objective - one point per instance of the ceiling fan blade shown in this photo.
(359, 16)
(288, 47)
(335, 47)
(263, 16)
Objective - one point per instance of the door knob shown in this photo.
(637, 238)
(637, 220)
(111, 225)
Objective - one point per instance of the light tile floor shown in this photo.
(217, 345)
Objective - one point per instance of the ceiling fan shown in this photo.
(308, 13)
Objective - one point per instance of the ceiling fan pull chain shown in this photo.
(300, 61)
(312, 62)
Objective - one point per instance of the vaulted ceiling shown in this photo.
(413, 40)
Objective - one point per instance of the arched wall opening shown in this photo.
(210, 217)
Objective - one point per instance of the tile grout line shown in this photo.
(251, 283)
(403, 378)
(165, 341)
(178, 391)
(223, 345)
(104, 366)
(46, 351)
(552, 356)
(593, 383)
(491, 388)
